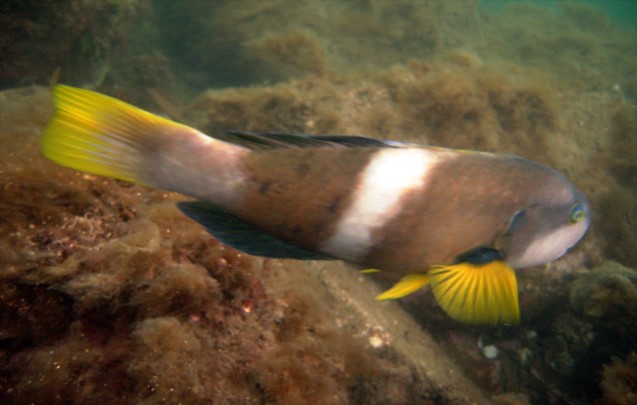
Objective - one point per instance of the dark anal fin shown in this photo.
(237, 234)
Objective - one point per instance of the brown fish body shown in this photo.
(464, 201)
(299, 195)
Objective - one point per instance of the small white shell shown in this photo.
(490, 352)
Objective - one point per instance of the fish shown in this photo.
(457, 221)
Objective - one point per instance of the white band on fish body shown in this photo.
(390, 175)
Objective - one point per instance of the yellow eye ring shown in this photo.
(578, 214)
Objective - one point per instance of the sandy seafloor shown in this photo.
(109, 295)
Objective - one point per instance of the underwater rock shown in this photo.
(608, 294)
(239, 46)
(619, 381)
(105, 285)
(570, 352)
(109, 294)
(79, 38)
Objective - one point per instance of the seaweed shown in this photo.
(108, 294)
(78, 37)
(620, 381)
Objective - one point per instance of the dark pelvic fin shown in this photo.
(480, 256)
(242, 236)
(270, 140)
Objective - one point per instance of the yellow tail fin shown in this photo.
(98, 134)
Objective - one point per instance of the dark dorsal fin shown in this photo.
(242, 236)
(271, 140)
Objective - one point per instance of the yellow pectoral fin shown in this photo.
(405, 286)
(369, 271)
(478, 294)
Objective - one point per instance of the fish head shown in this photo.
(545, 230)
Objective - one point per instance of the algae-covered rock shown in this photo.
(77, 37)
(239, 44)
(620, 381)
(109, 294)
(607, 294)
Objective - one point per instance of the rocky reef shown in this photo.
(109, 295)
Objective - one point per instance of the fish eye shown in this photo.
(577, 214)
